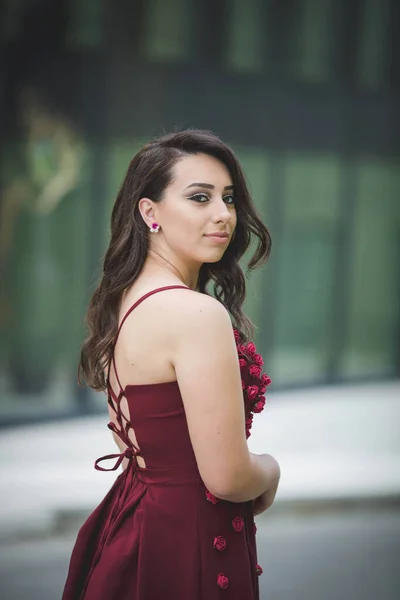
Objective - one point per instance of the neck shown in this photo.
(158, 265)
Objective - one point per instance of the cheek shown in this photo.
(181, 229)
(186, 224)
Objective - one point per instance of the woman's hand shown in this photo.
(263, 502)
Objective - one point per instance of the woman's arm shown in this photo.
(207, 369)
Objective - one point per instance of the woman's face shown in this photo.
(198, 203)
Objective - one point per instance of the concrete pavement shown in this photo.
(333, 444)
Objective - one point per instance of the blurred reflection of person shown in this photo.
(45, 166)
(52, 167)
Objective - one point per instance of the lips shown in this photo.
(220, 234)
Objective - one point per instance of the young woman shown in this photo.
(182, 382)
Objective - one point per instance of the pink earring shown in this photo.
(155, 228)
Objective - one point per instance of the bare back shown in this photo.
(143, 352)
(182, 336)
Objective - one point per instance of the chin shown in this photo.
(213, 257)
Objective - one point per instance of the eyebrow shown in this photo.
(207, 186)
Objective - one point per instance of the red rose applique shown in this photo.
(242, 362)
(211, 498)
(243, 385)
(222, 581)
(258, 359)
(259, 406)
(252, 392)
(237, 524)
(250, 348)
(259, 570)
(265, 380)
(236, 335)
(249, 423)
(219, 543)
(255, 371)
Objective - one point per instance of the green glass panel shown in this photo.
(120, 155)
(166, 30)
(244, 36)
(74, 223)
(312, 188)
(313, 50)
(304, 285)
(256, 167)
(304, 271)
(46, 211)
(85, 23)
(372, 340)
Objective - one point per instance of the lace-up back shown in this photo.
(159, 533)
(119, 403)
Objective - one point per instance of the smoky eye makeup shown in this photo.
(202, 197)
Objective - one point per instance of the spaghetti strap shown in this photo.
(128, 312)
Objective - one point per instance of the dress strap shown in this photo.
(128, 312)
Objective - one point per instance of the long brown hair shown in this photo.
(148, 175)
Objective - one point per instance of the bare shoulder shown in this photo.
(179, 315)
(190, 312)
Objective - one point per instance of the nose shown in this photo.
(222, 214)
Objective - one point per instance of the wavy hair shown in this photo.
(149, 173)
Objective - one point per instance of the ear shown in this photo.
(147, 210)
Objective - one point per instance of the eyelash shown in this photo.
(195, 196)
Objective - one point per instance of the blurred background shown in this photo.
(307, 94)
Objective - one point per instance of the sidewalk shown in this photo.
(333, 444)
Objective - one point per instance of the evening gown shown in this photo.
(159, 534)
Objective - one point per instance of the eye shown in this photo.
(229, 199)
(201, 198)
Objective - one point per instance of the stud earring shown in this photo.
(155, 228)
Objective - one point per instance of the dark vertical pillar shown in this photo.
(95, 95)
(208, 28)
(281, 26)
(94, 79)
(397, 292)
(342, 269)
(394, 47)
(3, 72)
(393, 81)
(346, 23)
(124, 26)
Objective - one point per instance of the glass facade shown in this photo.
(308, 99)
(373, 333)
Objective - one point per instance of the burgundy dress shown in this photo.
(159, 534)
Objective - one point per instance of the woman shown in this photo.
(182, 384)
